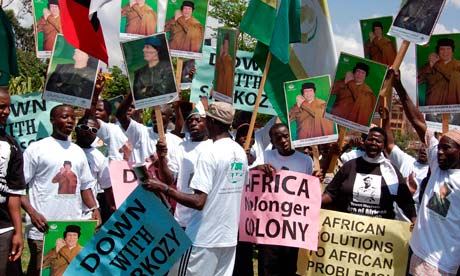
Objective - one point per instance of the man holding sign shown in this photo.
(274, 259)
(220, 174)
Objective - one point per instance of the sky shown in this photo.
(345, 16)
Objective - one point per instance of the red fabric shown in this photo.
(79, 31)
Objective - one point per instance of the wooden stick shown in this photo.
(316, 165)
(445, 122)
(387, 87)
(179, 66)
(257, 103)
(159, 119)
(335, 157)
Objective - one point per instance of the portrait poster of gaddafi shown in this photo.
(150, 70)
(306, 105)
(71, 75)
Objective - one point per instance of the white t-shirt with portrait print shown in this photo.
(221, 172)
(43, 160)
(182, 164)
(436, 236)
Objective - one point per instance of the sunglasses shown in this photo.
(88, 128)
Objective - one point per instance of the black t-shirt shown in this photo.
(359, 188)
(11, 174)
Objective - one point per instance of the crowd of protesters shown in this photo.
(202, 166)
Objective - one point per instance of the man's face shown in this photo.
(374, 144)
(308, 94)
(5, 102)
(87, 136)
(187, 12)
(448, 154)
(71, 239)
(445, 53)
(80, 56)
(422, 158)
(360, 76)
(101, 113)
(54, 9)
(150, 53)
(196, 126)
(281, 141)
(64, 120)
(367, 182)
(378, 32)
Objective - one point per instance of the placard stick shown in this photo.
(335, 157)
(445, 122)
(316, 165)
(257, 103)
(387, 87)
(179, 66)
(159, 119)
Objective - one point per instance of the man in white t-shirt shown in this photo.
(142, 138)
(86, 131)
(273, 259)
(435, 239)
(42, 161)
(217, 184)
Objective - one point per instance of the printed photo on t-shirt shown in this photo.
(66, 179)
(366, 189)
(439, 202)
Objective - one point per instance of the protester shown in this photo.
(142, 138)
(220, 174)
(435, 239)
(369, 185)
(274, 259)
(12, 186)
(42, 160)
(86, 130)
(186, 32)
(181, 167)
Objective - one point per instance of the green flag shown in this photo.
(8, 60)
(275, 23)
(314, 56)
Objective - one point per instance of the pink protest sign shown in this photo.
(124, 180)
(283, 210)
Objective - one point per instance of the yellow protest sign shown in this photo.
(352, 245)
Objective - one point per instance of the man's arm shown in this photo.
(88, 199)
(195, 201)
(121, 111)
(17, 242)
(165, 173)
(385, 115)
(38, 220)
(413, 115)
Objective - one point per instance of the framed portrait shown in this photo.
(138, 18)
(71, 75)
(378, 45)
(224, 73)
(438, 74)
(416, 20)
(47, 24)
(63, 241)
(355, 91)
(190, 15)
(306, 105)
(188, 72)
(150, 71)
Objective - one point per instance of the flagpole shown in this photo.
(247, 143)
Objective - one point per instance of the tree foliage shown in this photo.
(116, 83)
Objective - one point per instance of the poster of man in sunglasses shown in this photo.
(71, 75)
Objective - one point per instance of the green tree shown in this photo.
(230, 13)
(116, 83)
